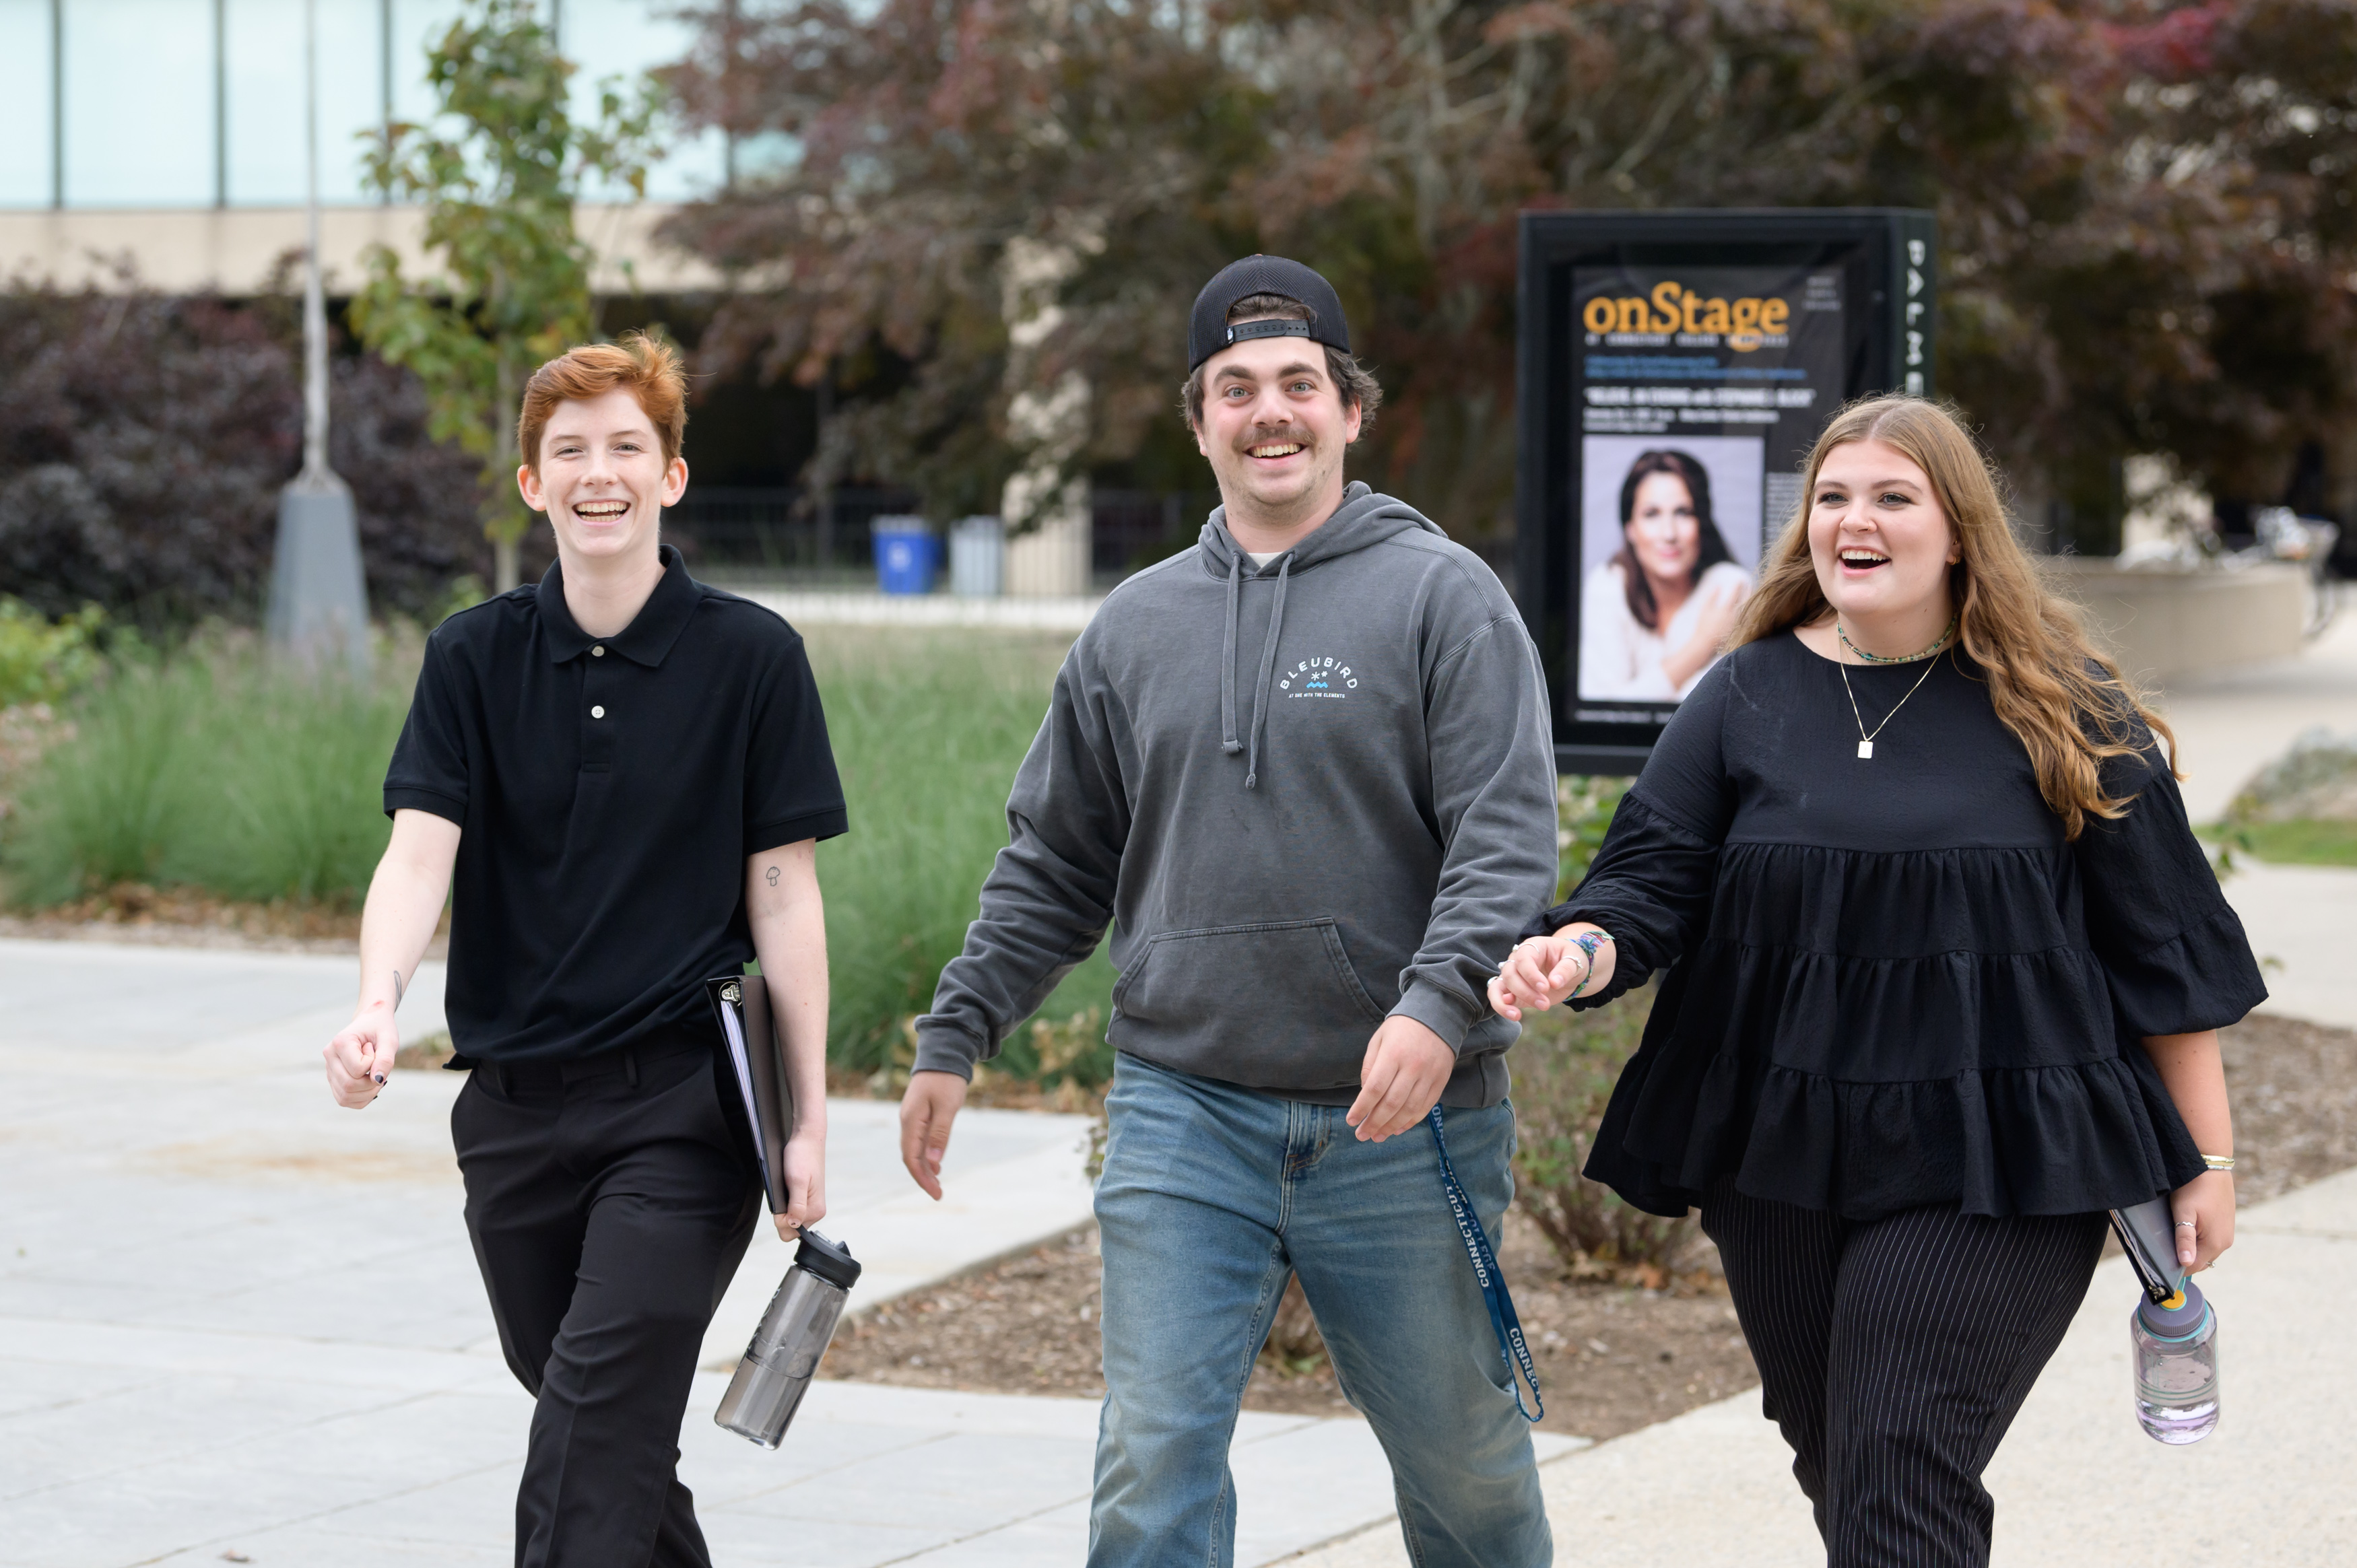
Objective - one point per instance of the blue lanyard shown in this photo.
(1510, 1348)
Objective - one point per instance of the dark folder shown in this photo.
(2147, 1234)
(743, 1002)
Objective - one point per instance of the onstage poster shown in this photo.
(1699, 391)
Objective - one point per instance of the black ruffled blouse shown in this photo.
(1891, 981)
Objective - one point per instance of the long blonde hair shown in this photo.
(2067, 703)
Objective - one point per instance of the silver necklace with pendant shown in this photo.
(1865, 735)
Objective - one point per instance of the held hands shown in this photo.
(1543, 971)
(2208, 1201)
(359, 1059)
(805, 1182)
(930, 1105)
(1405, 1068)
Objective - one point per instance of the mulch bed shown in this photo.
(1613, 1356)
(2293, 1085)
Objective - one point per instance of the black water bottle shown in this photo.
(784, 1354)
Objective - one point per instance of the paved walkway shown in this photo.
(2229, 725)
(819, 606)
(2076, 1482)
(233, 1317)
(2302, 920)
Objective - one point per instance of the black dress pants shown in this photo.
(609, 1201)
(1894, 1353)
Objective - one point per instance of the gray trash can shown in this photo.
(977, 558)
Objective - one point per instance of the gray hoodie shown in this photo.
(1304, 795)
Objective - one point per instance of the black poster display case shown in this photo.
(1673, 368)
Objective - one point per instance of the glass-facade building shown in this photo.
(195, 103)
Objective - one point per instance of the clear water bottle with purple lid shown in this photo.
(2176, 1348)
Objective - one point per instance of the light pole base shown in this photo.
(318, 596)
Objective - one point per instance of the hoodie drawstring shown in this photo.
(1267, 669)
(1229, 745)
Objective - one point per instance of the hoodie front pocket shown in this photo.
(1291, 969)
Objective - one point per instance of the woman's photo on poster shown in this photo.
(1666, 568)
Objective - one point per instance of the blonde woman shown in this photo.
(1945, 969)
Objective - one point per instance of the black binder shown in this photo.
(743, 1002)
(2149, 1235)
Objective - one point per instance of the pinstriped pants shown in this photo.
(1894, 1353)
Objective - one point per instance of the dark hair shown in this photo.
(1690, 472)
(1357, 384)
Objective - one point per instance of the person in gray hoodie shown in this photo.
(1303, 770)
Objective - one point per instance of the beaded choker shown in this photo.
(1938, 643)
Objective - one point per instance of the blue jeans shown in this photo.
(1212, 1196)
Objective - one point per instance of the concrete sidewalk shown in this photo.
(234, 1317)
(2302, 920)
(2231, 724)
(2076, 1482)
(821, 607)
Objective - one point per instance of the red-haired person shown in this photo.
(620, 776)
(1943, 973)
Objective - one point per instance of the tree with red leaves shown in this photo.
(2145, 209)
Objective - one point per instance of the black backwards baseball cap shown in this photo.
(1207, 331)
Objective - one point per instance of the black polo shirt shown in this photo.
(610, 793)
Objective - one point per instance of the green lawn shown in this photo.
(2289, 843)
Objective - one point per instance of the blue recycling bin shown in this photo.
(907, 555)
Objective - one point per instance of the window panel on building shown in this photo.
(139, 104)
(265, 98)
(693, 167)
(416, 25)
(165, 104)
(607, 39)
(28, 107)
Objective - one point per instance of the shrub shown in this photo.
(1564, 1068)
(143, 439)
(1584, 804)
(2315, 781)
(41, 662)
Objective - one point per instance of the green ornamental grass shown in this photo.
(215, 769)
(218, 770)
(928, 728)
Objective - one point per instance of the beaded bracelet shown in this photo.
(1587, 942)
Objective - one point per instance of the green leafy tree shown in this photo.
(498, 171)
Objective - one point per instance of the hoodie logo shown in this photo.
(1319, 677)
